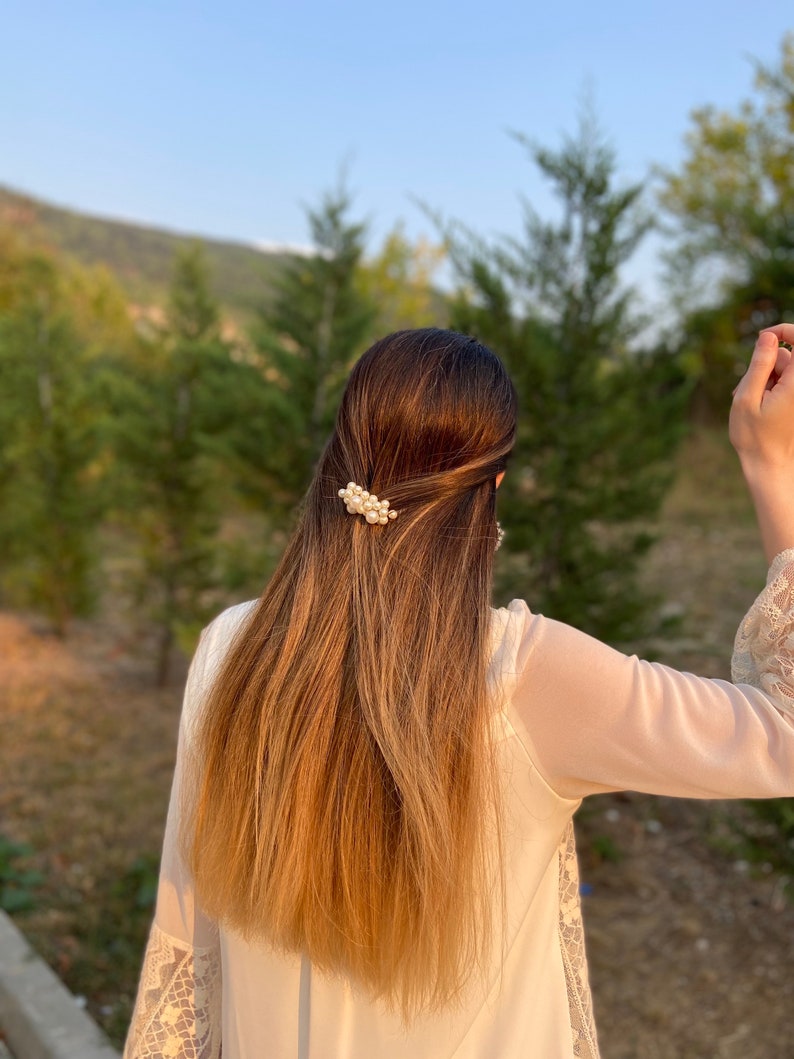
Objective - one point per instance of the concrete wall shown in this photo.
(38, 1015)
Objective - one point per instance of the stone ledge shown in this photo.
(39, 1016)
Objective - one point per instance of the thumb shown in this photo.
(762, 365)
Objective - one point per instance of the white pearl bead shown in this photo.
(358, 501)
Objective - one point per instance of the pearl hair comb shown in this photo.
(359, 502)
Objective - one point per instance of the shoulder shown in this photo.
(518, 636)
(217, 636)
(509, 629)
(214, 642)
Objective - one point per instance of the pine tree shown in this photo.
(51, 496)
(307, 338)
(599, 419)
(169, 437)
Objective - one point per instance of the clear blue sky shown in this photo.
(223, 118)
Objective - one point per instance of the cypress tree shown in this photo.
(599, 419)
(50, 451)
(307, 337)
(167, 439)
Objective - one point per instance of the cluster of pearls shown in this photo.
(359, 502)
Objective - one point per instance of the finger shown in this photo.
(783, 332)
(783, 360)
(762, 365)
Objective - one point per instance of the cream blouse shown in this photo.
(576, 717)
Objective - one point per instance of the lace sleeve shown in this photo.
(763, 654)
(177, 1013)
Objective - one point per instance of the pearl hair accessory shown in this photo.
(359, 502)
(500, 536)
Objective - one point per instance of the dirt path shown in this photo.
(690, 949)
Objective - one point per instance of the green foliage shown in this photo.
(604, 848)
(17, 884)
(731, 208)
(733, 200)
(307, 339)
(398, 279)
(113, 934)
(169, 438)
(773, 839)
(51, 476)
(599, 418)
(137, 888)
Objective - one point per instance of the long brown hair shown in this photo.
(347, 793)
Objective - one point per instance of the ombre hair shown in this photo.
(346, 804)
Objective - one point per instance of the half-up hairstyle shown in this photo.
(347, 796)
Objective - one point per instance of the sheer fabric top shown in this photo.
(572, 717)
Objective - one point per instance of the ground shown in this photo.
(690, 931)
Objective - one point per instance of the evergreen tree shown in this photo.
(732, 202)
(307, 338)
(599, 419)
(399, 280)
(51, 495)
(730, 209)
(169, 437)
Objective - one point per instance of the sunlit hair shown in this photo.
(347, 801)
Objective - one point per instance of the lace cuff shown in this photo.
(763, 653)
(178, 1010)
(571, 933)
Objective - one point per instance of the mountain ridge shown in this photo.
(141, 256)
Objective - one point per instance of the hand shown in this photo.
(762, 414)
(762, 432)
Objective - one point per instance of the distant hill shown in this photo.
(141, 258)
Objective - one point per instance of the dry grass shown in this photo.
(690, 955)
(88, 750)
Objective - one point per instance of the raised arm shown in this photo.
(762, 432)
(596, 720)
